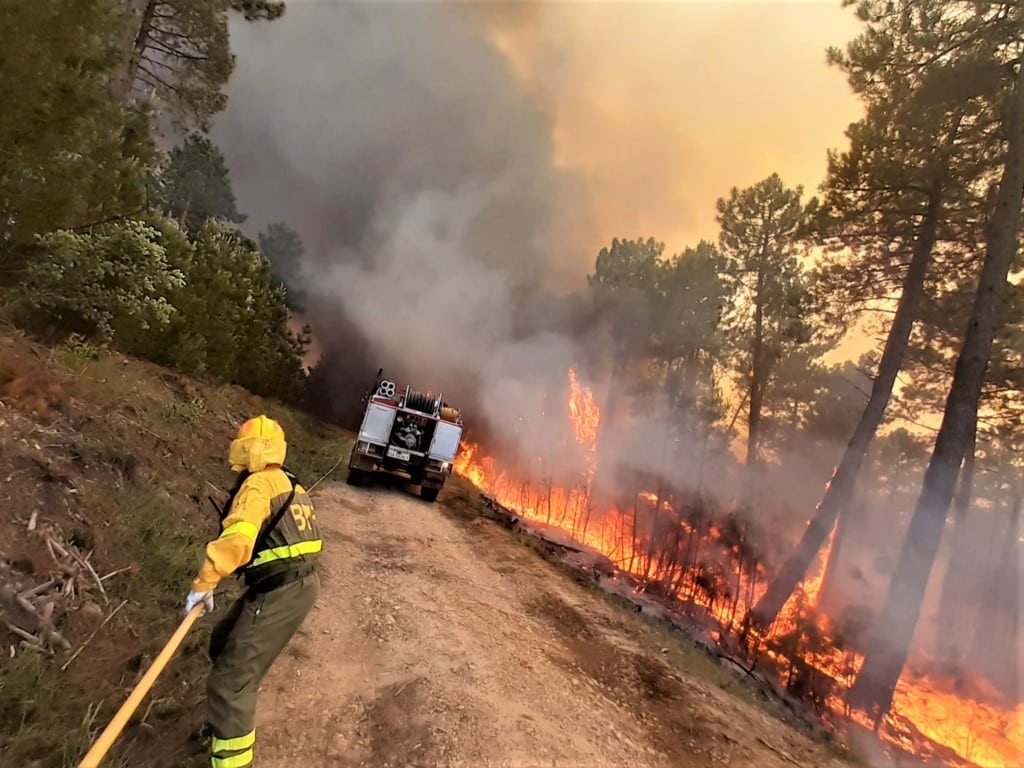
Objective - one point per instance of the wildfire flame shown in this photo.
(984, 733)
(583, 411)
(978, 731)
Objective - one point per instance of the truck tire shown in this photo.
(355, 476)
(428, 494)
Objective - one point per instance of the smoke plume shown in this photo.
(454, 168)
(394, 138)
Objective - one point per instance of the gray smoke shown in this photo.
(420, 174)
(394, 138)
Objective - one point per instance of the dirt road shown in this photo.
(441, 640)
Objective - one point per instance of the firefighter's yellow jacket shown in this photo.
(262, 493)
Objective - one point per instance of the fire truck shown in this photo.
(408, 434)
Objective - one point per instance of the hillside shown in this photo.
(110, 460)
(439, 639)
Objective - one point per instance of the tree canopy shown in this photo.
(72, 155)
(179, 52)
(86, 245)
(194, 185)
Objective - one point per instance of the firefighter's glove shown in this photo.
(194, 598)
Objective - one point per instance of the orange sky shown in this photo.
(661, 108)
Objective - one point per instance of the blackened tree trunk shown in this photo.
(826, 592)
(843, 482)
(894, 628)
(958, 612)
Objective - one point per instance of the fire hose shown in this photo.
(120, 720)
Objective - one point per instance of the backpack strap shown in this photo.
(265, 533)
(222, 511)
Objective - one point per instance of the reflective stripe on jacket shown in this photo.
(294, 541)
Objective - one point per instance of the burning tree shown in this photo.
(899, 203)
(887, 653)
(908, 206)
(703, 560)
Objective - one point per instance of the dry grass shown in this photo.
(29, 387)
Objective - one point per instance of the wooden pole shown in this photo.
(120, 720)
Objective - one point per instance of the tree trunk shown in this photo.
(135, 44)
(958, 612)
(998, 650)
(757, 376)
(841, 487)
(894, 628)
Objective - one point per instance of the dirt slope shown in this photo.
(441, 640)
(111, 459)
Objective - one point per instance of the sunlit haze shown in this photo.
(661, 108)
(652, 111)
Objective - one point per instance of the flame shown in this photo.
(583, 411)
(987, 734)
(807, 591)
(467, 466)
(978, 731)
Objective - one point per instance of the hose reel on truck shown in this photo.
(406, 433)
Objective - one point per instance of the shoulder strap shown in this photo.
(222, 511)
(262, 538)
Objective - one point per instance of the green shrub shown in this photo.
(110, 281)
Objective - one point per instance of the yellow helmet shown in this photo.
(261, 426)
(260, 443)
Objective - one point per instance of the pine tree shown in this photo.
(195, 186)
(72, 155)
(915, 157)
(894, 629)
(761, 228)
(624, 289)
(179, 51)
(284, 249)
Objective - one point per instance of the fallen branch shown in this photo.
(144, 429)
(84, 562)
(23, 634)
(26, 605)
(38, 588)
(400, 689)
(48, 631)
(66, 664)
(114, 573)
(778, 751)
(53, 548)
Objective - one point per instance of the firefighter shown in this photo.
(278, 563)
